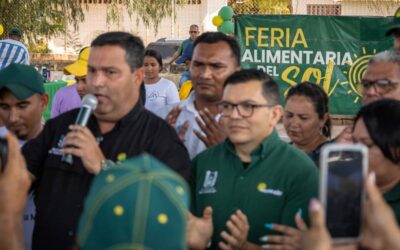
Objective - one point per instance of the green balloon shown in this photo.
(227, 27)
(226, 13)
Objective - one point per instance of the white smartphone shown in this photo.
(343, 171)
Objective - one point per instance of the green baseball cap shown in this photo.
(22, 80)
(137, 204)
(15, 32)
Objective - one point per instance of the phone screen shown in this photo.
(344, 193)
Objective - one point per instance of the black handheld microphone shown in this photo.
(89, 103)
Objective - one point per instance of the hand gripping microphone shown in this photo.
(89, 103)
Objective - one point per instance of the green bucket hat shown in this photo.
(137, 204)
(22, 80)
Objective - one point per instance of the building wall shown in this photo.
(95, 23)
(354, 8)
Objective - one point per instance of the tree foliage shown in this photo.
(261, 6)
(150, 12)
(45, 18)
(384, 7)
(39, 18)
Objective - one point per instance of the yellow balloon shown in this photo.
(1, 29)
(217, 21)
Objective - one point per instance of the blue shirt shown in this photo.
(12, 51)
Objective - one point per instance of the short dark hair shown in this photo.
(382, 119)
(269, 86)
(215, 37)
(194, 26)
(132, 45)
(319, 100)
(156, 55)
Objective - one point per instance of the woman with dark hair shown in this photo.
(377, 127)
(306, 119)
(159, 91)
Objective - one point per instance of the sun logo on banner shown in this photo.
(356, 73)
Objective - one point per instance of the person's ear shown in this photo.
(139, 76)
(44, 101)
(277, 113)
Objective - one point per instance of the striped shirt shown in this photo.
(12, 51)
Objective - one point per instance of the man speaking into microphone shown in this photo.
(119, 128)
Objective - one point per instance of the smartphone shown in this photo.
(3, 153)
(343, 171)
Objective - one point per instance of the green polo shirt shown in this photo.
(392, 197)
(183, 45)
(279, 180)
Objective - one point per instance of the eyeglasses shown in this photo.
(380, 86)
(244, 109)
(193, 32)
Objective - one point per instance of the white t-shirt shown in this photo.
(159, 94)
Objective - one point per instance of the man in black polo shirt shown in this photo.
(119, 128)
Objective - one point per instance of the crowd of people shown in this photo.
(152, 171)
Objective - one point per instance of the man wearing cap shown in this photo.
(22, 103)
(12, 50)
(69, 97)
(394, 29)
(193, 34)
(149, 207)
(119, 128)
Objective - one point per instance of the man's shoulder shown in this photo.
(13, 43)
(154, 120)
(65, 116)
(292, 156)
(211, 154)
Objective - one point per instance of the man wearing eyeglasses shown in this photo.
(253, 171)
(382, 78)
(193, 34)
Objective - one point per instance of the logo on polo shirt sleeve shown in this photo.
(209, 183)
(262, 188)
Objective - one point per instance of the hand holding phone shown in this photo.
(343, 170)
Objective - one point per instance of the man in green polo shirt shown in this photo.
(193, 34)
(253, 171)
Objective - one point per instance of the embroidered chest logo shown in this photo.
(209, 183)
(263, 188)
(58, 149)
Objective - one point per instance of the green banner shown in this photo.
(332, 51)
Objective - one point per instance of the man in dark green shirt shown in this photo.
(253, 171)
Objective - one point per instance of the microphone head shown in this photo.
(90, 101)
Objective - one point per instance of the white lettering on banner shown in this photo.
(296, 57)
(270, 70)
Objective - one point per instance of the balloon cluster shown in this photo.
(224, 20)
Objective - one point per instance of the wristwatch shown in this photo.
(106, 164)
